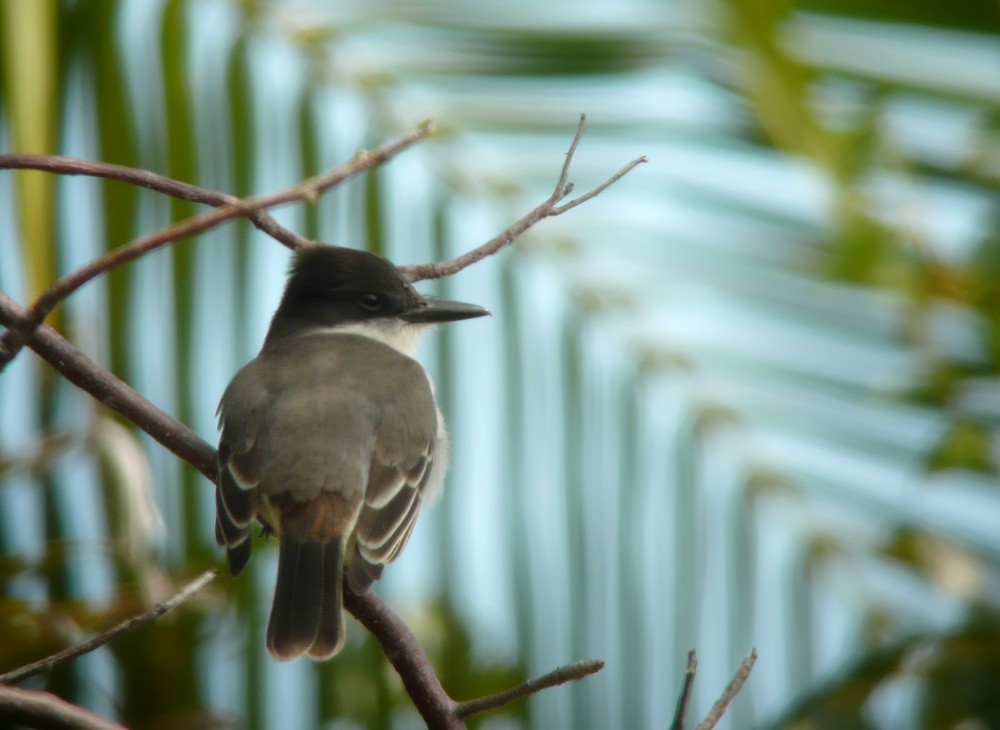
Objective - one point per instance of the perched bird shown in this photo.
(332, 439)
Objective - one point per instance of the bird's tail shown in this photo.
(306, 616)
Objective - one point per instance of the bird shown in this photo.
(332, 439)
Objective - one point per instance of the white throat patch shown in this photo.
(402, 337)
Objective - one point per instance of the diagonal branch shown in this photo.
(160, 609)
(12, 340)
(722, 704)
(151, 181)
(32, 708)
(406, 655)
(549, 208)
(680, 717)
(560, 675)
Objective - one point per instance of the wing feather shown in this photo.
(385, 524)
(394, 539)
(236, 500)
(376, 527)
(384, 484)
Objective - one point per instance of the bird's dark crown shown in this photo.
(330, 285)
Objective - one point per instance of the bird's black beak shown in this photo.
(431, 310)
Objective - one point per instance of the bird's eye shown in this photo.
(371, 301)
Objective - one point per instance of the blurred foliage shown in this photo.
(974, 15)
(955, 677)
(137, 84)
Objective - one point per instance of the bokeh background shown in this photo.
(748, 397)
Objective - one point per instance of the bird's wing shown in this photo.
(409, 451)
(241, 417)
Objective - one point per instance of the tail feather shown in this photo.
(330, 632)
(306, 615)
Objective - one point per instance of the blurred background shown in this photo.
(748, 397)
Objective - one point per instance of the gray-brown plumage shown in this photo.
(331, 437)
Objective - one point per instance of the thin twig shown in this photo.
(12, 340)
(594, 192)
(151, 181)
(680, 717)
(160, 609)
(568, 673)
(407, 657)
(32, 708)
(549, 208)
(563, 186)
(721, 704)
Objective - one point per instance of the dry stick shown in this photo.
(151, 181)
(160, 609)
(721, 704)
(680, 717)
(568, 673)
(547, 209)
(32, 708)
(12, 340)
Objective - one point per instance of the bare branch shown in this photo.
(151, 181)
(12, 340)
(564, 187)
(721, 704)
(594, 192)
(680, 717)
(406, 655)
(36, 709)
(160, 609)
(568, 673)
(420, 272)
(549, 208)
